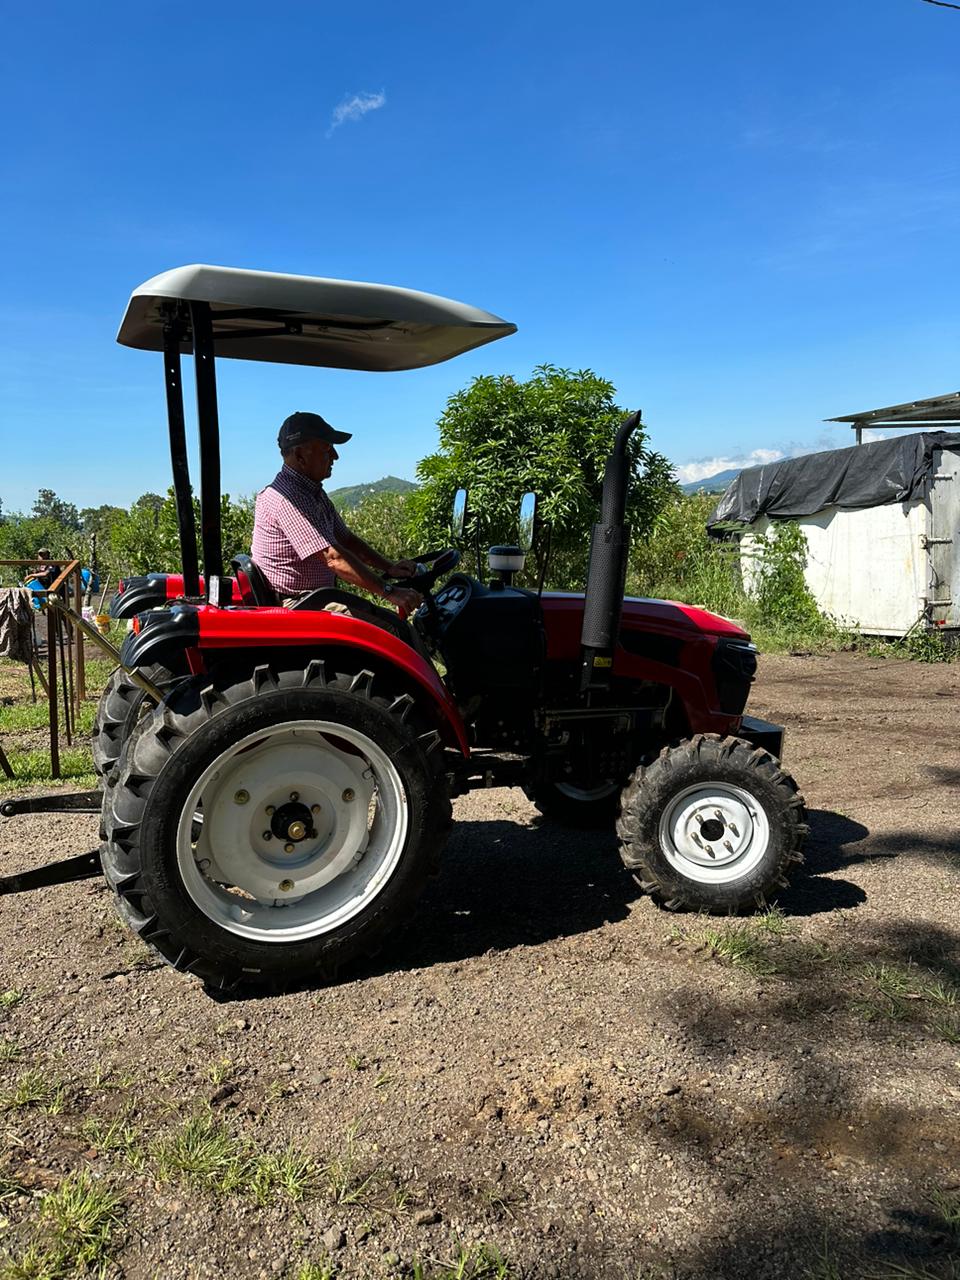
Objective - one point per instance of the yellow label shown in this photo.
(602, 662)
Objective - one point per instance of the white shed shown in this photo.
(881, 522)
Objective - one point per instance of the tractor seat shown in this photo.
(253, 584)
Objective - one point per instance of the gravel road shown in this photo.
(543, 1060)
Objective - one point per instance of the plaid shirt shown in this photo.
(294, 522)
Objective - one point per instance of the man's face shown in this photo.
(316, 459)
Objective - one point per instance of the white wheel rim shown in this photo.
(714, 833)
(330, 779)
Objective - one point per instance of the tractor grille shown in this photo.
(734, 668)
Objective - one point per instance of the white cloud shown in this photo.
(703, 468)
(356, 108)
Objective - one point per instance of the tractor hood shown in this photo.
(667, 617)
(284, 319)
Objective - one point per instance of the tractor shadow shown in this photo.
(506, 884)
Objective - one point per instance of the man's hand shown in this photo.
(401, 568)
(406, 599)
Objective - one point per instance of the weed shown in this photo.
(825, 1268)
(204, 1154)
(477, 1262)
(743, 947)
(323, 1270)
(357, 1061)
(78, 1228)
(220, 1071)
(290, 1173)
(9, 1050)
(773, 922)
(383, 1079)
(345, 1177)
(34, 1089)
(10, 998)
(117, 1135)
(84, 1218)
(947, 1205)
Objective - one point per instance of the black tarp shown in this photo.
(864, 475)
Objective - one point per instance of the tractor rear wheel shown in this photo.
(271, 828)
(713, 824)
(121, 705)
(584, 808)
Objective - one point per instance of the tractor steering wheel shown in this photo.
(431, 565)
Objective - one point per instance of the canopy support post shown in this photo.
(172, 333)
(208, 424)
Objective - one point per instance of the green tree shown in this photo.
(49, 507)
(551, 434)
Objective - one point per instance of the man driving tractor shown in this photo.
(299, 538)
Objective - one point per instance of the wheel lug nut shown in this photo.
(294, 795)
(296, 831)
(314, 808)
(241, 797)
(348, 795)
(270, 810)
(289, 848)
(268, 835)
(286, 885)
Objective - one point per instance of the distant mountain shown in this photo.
(712, 484)
(352, 495)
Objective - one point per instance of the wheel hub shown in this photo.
(293, 821)
(714, 832)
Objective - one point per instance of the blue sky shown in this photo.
(744, 214)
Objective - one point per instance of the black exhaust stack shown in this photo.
(607, 573)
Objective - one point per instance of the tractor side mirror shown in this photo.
(528, 520)
(459, 518)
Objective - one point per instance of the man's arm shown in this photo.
(349, 567)
(362, 551)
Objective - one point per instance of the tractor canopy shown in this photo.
(284, 319)
(263, 315)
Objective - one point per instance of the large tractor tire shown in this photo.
(583, 808)
(268, 829)
(121, 705)
(713, 824)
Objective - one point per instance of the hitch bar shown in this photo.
(64, 802)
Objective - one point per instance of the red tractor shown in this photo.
(277, 782)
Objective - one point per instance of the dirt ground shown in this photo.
(543, 1060)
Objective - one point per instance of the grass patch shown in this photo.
(347, 1178)
(9, 1050)
(901, 992)
(10, 998)
(79, 1226)
(476, 1262)
(31, 767)
(116, 1136)
(204, 1154)
(746, 945)
(34, 1089)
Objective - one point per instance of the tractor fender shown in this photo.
(193, 634)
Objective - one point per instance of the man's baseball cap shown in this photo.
(300, 427)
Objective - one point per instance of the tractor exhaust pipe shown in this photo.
(607, 572)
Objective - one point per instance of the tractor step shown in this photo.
(62, 802)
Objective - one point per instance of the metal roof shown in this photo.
(285, 319)
(936, 409)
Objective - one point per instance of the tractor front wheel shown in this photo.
(713, 824)
(272, 829)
